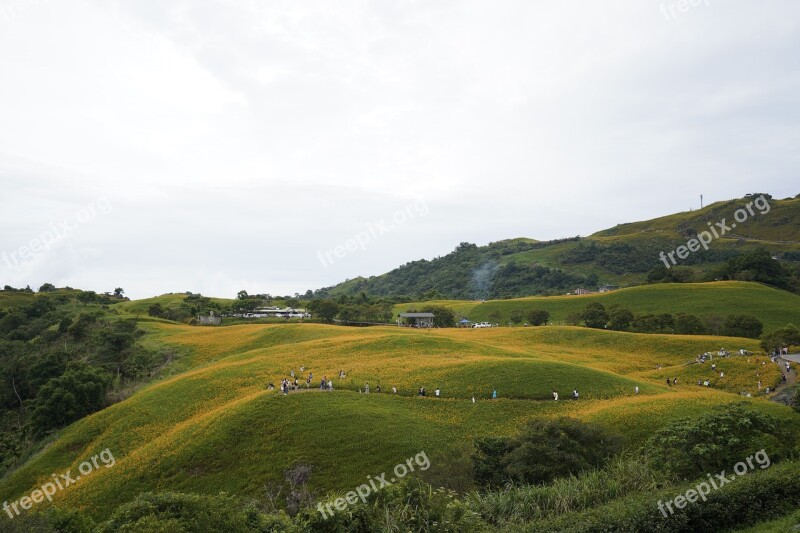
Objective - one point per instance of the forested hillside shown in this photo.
(765, 247)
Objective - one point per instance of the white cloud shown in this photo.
(236, 138)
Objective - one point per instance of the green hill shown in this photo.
(217, 428)
(775, 308)
(624, 255)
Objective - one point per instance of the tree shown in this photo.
(713, 323)
(538, 317)
(544, 451)
(155, 310)
(442, 316)
(759, 265)
(743, 326)
(689, 447)
(619, 317)
(87, 297)
(47, 287)
(327, 310)
(118, 292)
(788, 335)
(687, 324)
(242, 295)
(594, 315)
(80, 391)
(515, 316)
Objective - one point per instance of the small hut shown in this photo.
(415, 320)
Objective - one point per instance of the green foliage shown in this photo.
(520, 504)
(757, 497)
(410, 505)
(594, 315)
(47, 287)
(686, 324)
(776, 339)
(716, 440)
(619, 318)
(743, 326)
(545, 450)
(187, 513)
(443, 317)
(758, 265)
(80, 391)
(50, 520)
(662, 323)
(326, 310)
(537, 317)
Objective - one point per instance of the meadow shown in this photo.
(775, 308)
(216, 427)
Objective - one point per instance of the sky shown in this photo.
(280, 146)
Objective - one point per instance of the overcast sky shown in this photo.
(219, 145)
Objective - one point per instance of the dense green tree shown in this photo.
(743, 326)
(687, 324)
(47, 287)
(788, 335)
(619, 317)
(80, 391)
(327, 310)
(594, 315)
(545, 450)
(691, 447)
(443, 317)
(537, 317)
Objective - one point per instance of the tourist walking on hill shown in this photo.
(366, 388)
(436, 392)
(394, 390)
(555, 396)
(494, 394)
(636, 389)
(575, 394)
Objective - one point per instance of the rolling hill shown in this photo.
(623, 255)
(775, 308)
(216, 427)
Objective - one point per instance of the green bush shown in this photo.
(756, 497)
(186, 513)
(545, 450)
(716, 440)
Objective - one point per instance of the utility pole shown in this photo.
(701, 201)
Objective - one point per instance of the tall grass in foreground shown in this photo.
(520, 504)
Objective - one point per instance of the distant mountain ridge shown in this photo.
(625, 255)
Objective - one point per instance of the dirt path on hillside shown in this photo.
(785, 393)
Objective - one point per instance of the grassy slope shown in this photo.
(215, 427)
(775, 308)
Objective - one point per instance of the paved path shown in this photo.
(795, 357)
